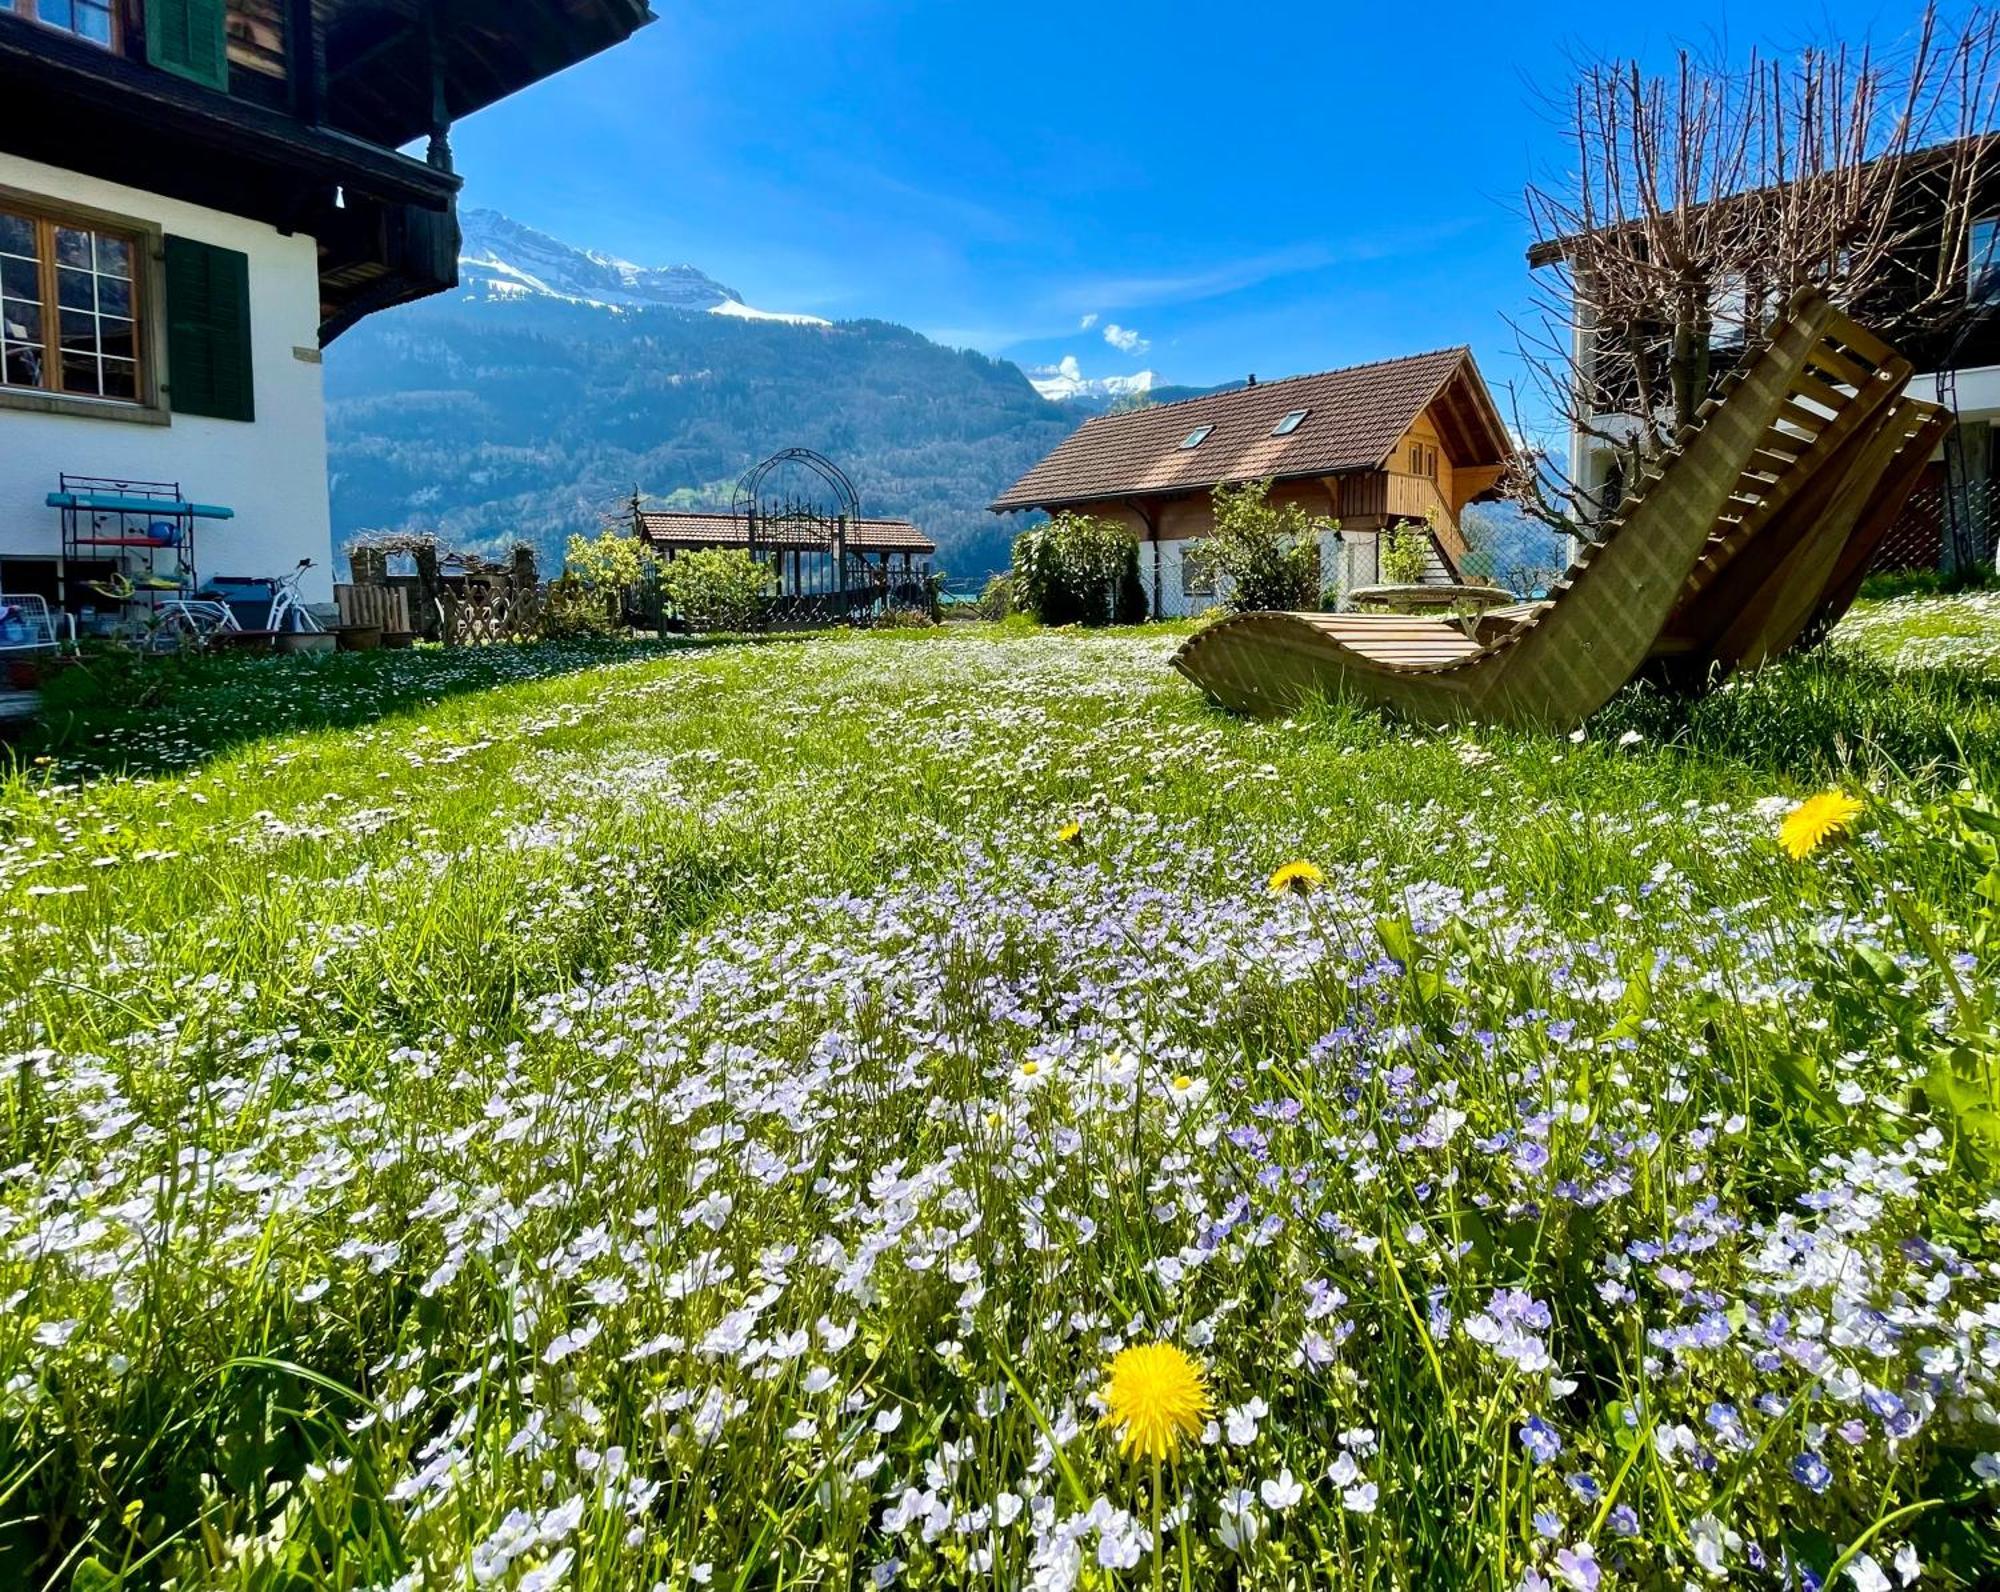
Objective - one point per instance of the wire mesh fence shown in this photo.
(1945, 530)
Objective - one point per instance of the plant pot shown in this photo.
(398, 639)
(22, 674)
(360, 638)
(307, 641)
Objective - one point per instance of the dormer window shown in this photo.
(1291, 423)
(87, 19)
(1196, 437)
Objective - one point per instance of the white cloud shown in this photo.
(1067, 367)
(1087, 322)
(1125, 340)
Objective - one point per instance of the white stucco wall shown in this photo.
(272, 472)
(1978, 391)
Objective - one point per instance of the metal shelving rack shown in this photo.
(129, 524)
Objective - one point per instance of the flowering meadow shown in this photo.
(956, 1110)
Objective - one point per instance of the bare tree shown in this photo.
(1694, 203)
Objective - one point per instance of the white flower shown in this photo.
(1281, 1492)
(1908, 1565)
(1122, 1542)
(1867, 1575)
(886, 1421)
(550, 1575)
(1238, 1525)
(1241, 1420)
(1361, 1498)
(567, 1343)
(1711, 1540)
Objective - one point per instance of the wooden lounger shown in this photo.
(1792, 438)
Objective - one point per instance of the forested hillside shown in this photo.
(488, 417)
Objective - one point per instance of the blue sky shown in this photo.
(1204, 190)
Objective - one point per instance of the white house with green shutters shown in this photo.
(196, 197)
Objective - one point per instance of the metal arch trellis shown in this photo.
(817, 518)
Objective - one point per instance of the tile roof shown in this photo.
(1354, 417)
(678, 528)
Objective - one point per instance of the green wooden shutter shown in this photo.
(208, 331)
(188, 38)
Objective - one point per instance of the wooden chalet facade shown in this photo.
(196, 197)
(1398, 442)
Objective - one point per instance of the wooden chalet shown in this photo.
(1399, 442)
(196, 197)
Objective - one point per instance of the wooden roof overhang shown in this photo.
(379, 55)
(692, 528)
(72, 104)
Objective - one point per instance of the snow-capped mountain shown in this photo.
(500, 258)
(1066, 383)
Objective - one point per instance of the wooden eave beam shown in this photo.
(40, 65)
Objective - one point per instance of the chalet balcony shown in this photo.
(1371, 499)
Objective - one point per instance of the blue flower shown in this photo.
(1584, 1486)
(1625, 1520)
(1540, 1440)
(1809, 1470)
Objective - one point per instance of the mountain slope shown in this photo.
(500, 258)
(532, 409)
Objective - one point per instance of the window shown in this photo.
(87, 19)
(1732, 310)
(69, 309)
(1291, 423)
(1197, 437)
(1423, 460)
(1982, 279)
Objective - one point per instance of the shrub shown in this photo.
(1070, 570)
(1406, 554)
(613, 560)
(1267, 553)
(714, 588)
(996, 600)
(573, 609)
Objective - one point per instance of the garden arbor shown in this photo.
(798, 514)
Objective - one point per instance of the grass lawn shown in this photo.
(566, 1119)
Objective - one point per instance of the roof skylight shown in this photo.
(1197, 437)
(1291, 423)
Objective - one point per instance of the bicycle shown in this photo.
(193, 622)
(289, 614)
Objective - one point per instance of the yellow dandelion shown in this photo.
(1296, 878)
(1071, 833)
(1155, 1396)
(1816, 820)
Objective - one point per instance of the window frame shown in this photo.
(148, 243)
(29, 11)
(1196, 438)
(1198, 575)
(1990, 277)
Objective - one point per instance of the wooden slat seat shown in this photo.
(1722, 557)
